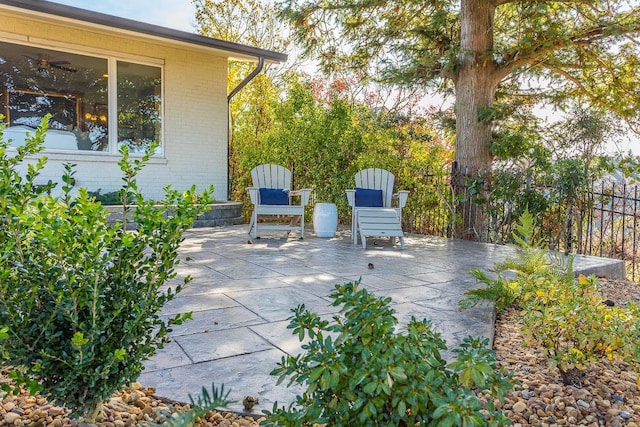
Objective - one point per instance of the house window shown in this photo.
(139, 103)
(77, 91)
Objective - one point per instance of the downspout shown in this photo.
(237, 89)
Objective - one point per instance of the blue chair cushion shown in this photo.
(369, 198)
(274, 196)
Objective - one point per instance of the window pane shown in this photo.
(139, 106)
(72, 88)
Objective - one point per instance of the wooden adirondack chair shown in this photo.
(372, 213)
(273, 199)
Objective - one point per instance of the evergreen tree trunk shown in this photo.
(475, 81)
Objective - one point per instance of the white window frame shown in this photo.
(112, 57)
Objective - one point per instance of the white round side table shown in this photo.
(325, 219)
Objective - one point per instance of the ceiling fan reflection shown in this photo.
(43, 63)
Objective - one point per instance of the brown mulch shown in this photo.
(609, 395)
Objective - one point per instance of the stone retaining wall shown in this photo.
(220, 214)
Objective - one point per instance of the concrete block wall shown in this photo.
(218, 215)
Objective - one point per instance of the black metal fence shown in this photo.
(611, 225)
(602, 221)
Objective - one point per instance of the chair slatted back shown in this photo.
(271, 176)
(377, 179)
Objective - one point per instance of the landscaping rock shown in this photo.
(609, 395)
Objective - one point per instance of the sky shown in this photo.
(176, 14)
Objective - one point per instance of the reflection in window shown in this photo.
(73, 88)
(36, 81)
(139, 105)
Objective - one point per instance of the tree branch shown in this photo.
(589, 36)
(503, 2)
(573, 80)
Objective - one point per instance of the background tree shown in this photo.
(479, 48)
(549, 170)
(254, 23)
(325, 139)
(319, 127)
(559, 48)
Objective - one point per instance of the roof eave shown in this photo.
(46, 9)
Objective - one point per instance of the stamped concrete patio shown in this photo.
(243, 290)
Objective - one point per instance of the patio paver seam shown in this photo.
(426, 280)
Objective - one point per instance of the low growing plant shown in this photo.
(357, 370)
(80, 299)
(504, 288)
(574, 326)
(199, 408)
(565, 316)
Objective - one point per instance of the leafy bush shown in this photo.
(505, 289)
(359, 371)
(81, 298)
(109, 198)
(565, 316)
(574, 326)
(548, 168)
(326, 141)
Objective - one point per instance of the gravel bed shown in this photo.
(609, 396)
(135, 405)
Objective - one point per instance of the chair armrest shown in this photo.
(304, 193)
(254, 193)
(402, 197)
(351, 197)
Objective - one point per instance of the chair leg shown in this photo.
(354, 227)
(254, 224)
(364, 241)
(302, 225)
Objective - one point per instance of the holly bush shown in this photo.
(79, 298)
(358, 370)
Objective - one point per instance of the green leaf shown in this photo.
(334, 379)
(370, 387)
(316, 372)
(79, 340)
(397, 372)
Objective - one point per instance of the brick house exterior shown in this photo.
(194, 106)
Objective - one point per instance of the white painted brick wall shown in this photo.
(195, 110)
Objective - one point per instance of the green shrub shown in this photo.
(569, 320)
(326, 141)
(505, 289)
(79, 298)
(563, 315)
(359, 371)
(109, 198)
